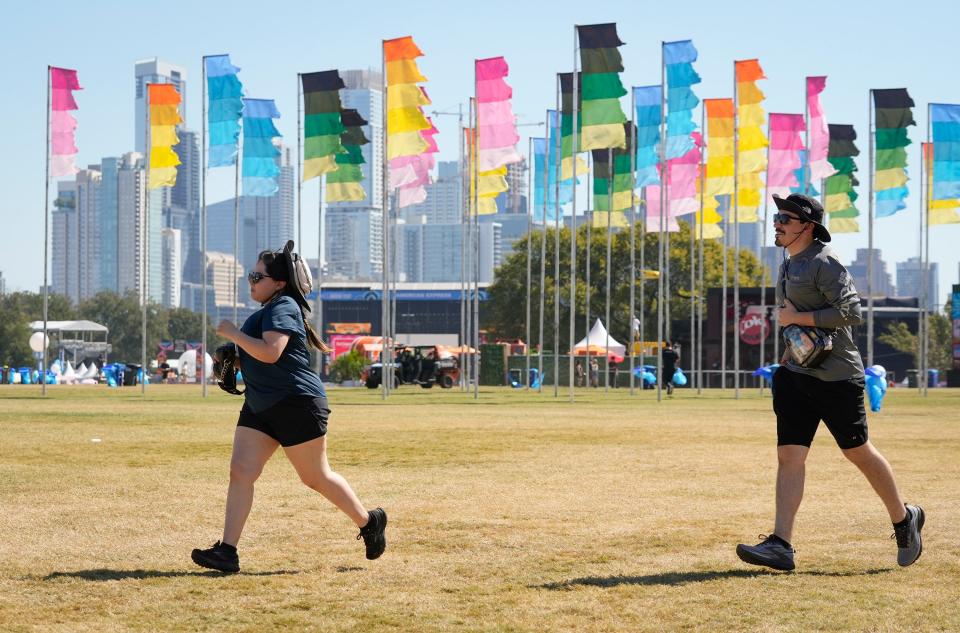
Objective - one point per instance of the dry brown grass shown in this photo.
(514, 513)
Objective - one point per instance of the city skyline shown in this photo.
(852, 64)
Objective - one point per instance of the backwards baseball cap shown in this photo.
(808, 209)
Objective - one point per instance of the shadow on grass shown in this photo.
(686, 577)
(141, 574)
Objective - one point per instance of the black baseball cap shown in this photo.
(807, 208)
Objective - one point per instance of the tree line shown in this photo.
(120, 313)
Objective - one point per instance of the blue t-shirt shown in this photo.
(269, 383)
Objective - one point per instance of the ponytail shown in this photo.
(312, 337)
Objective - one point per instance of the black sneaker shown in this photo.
(220, 557)
(373, 533)
(772, 551)
(909, 545)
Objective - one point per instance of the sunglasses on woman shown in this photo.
(254, 277)
(783, 218)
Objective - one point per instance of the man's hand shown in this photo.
(789, 315)
(228, 330)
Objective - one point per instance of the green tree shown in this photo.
(186, 324)
(123, 317)
(506, 309)
(347, 366)
(940, 350)
(17, 310)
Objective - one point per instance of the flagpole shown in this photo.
(203, 227)
(736, 244)
(386, 372)
(530, 205)
(46, 235)
(643, 280)
(463, 251)
(556, 256)
(543, 254)
(606, 364)
(724, 299)
(693, 284)
(870, 235)
(702, 291)
(319, 282)
(763, 243)
(921, 300)
(633, 233)
(573, 212)
(236, 233)
(664, 174)
(476, 220)
(468, 244)
(925, 256)
(300, 168)
(144, 248)
(589, 224)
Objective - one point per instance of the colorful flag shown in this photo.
(63, 127)
(819, 135)
(944, 211)
(260, 168)
(683, 188)
(164, 102)
(613, 184)
(678, 58)
(649, 112)
(839, 193)
(719, 170)
(600, 88)
(225, 108)
(498, 128)
(751, 142)
(801, 173)
(566, 125)
(549, 189)
(786, 143)
(322, 127)
(343, 184)
(893, 115)
(409, 133)
(945, 121)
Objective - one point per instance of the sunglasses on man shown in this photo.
(783, 218)
(254, 277)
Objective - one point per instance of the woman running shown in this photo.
(285, 405)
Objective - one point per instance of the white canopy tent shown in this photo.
(597, 338)
(77, 337)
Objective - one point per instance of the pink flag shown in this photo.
(820, 167)
(489, 90)
(786, 142)
(63, 148)
(492, 68)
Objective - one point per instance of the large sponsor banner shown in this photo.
(341, 344)
(754, 325)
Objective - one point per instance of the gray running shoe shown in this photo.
(772, 551)
(909, 545)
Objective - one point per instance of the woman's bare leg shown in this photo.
(310, 461)
(251, 450)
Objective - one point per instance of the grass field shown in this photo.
(514, 513)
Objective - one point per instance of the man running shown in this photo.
(815, 290)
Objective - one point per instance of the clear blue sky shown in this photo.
(857, 45)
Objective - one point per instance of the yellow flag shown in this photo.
(313, 167)
(604, 136)
(406, 96)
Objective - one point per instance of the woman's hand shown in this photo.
(228, 330)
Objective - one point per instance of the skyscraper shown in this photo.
(155, 71)
(88, 185)
(131, 229)
(183, 211)
(910, 281)
(170, 265)
(64, 242)
(353, 230)
(882, 285)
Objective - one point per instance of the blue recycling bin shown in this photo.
(933, 377)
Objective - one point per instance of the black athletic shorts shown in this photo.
(801, 401)
(294, 420)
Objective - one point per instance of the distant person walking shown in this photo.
(594, 373)
(670, 360)
(285, 405)
(814, 290)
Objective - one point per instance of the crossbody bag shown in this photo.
(808, 346)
